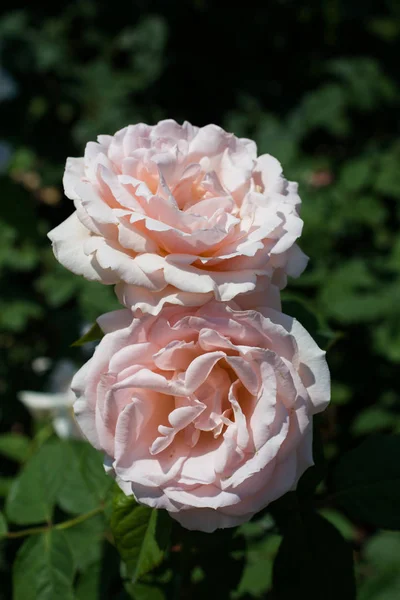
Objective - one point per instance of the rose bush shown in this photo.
(205, 412)
(176, 210)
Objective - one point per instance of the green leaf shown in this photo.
(322, 108)
(384, 27)
(57, 285)
(141, 535)
(33, 494)
(357, 173)
(313, 561)
(383, 550)
(3, 525)
(143, 591)
(85, 482)
(367, 482)
(341, 523)
(387, 179)
(94, 334)
(257, 574)
(69, 473)
(15, 315)
(88, 586)
(382, 556)
(384, 586)
(85, 541)
(44, 568)
(373, 419)
(5, 485)
(14, 446)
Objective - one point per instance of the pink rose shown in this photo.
(175, 210)
(205, 412)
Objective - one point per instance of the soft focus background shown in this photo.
(316, 84)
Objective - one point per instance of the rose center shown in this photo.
(212, 408)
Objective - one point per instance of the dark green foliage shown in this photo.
(366, 482)
(141, 535)
(44, 568)
(70, 475)
(313, 559)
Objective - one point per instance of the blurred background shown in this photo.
(316, 84)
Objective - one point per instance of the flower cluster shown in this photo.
(201, 393)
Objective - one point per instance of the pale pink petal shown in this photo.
(139, 298)
(117, 319)
(200, 368)
(314, 370)
(68, 240)
(270, 173)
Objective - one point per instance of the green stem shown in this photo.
(64, 525)
(79, 519)
(24, 532)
